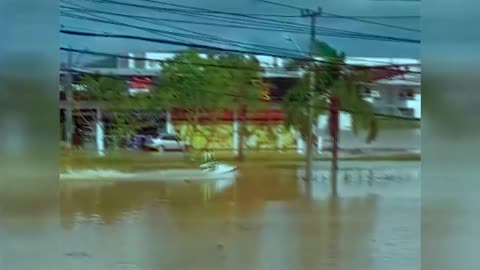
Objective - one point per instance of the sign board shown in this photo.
(139, 85)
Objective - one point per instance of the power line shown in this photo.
(176, 35)
(386, 65)
(190, 9)
(242, 27)
(198, 35)
(374, 23)
(237, 24)
(281, 5)
(272, 15)
(224, 12)
(155, 60)
(206, 47)
(110, 21)
(343, 35)
(275, 24)
(346, 17)
(198, 13)
(380, 17)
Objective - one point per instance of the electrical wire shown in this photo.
(375, 38)
(281, 5)
(274, 24)
(155, 60)
(236, 23)
(372, 22)
(289, 15)
(345, 17)
(176, 35)
(274, 27)
(197, 35)
(192, 45)
(204, 64)
(113, 22)
(258, 22)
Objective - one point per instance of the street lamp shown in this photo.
(290, 39)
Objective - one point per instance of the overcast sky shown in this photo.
(352, 47)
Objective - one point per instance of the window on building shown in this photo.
(410, 94)
(407, 112)
(407, 94)
(367, 92)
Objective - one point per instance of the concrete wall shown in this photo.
(345, 122)
(416, 105)
(393, 139)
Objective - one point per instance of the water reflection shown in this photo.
(362, 180)
(267, 219)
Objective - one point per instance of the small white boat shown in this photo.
(214, 167)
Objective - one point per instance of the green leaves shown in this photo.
(212, 83)
(361, 111)
(113, 99)
(331, 78)
(105, 89)
(321, 48)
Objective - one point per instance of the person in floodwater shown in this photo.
(208, 161)
(208, 157)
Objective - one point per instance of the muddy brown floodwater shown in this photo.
(262, 219)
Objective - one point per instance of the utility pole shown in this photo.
(69, 101)
(309, 151)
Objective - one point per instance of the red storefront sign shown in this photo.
(139, 84)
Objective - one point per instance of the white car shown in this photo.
(167, 142)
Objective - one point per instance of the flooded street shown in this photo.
(261, 220)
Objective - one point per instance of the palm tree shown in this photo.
(334, 83)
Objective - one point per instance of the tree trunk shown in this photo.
(334, 133)
(334, 164)
(241, 130)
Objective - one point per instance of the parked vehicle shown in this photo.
(167, 142)
(139, 142)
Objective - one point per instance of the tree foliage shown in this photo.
(244, 83)
(206, 88)
(207, 85)
(112, 97)
(331, 78)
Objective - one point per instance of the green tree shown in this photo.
(332, 79)
(245, 88)
(190, 84)
(112, 97)
(204, 88)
